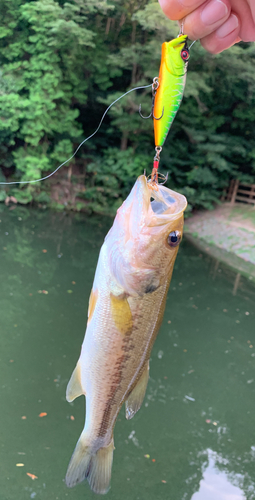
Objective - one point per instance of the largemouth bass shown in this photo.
(125, 311)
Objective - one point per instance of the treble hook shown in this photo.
(155, 86)
(145, 117)
(162, 176)
(152, 110)
(155, 116)
(151, 113)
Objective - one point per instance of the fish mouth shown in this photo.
(162, 204)
(148, 208)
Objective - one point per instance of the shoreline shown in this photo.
(227, 233)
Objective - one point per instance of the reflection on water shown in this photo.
(201, 392)
(216, 484)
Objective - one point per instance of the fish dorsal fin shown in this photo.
(74, 388)
(135, 399)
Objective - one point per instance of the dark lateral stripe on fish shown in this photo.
(115, 387)
(106, 418)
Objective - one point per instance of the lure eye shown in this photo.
(174, 238)
(185, 55)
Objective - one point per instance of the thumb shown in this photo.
(177, 9)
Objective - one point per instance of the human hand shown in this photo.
(218, 24)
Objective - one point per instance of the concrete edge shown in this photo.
(247, 269)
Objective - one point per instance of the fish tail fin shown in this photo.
(94, 466)
(99, 474)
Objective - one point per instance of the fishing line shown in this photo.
(81, 144)
(192, 44)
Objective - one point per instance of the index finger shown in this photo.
(178, 9)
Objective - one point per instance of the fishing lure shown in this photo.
(172, 79)
(167, 92)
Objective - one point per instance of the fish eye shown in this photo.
(185, 54)
(174, 238)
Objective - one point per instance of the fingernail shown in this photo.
(213, 12)
(230, 25)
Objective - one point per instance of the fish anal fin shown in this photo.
(74, 388)
(135, 399)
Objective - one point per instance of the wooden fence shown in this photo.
(241, 192)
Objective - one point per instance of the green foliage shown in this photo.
(40, 80)
(42, 197)
(2, 195)
(112, 178)
(62, 63)
(23, 196)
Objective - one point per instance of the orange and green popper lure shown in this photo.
(172, 78)
(167, 94)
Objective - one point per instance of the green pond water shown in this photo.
(194, 437)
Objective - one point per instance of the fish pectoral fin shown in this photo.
(74, 388)
(135, 399)
(121, 314)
